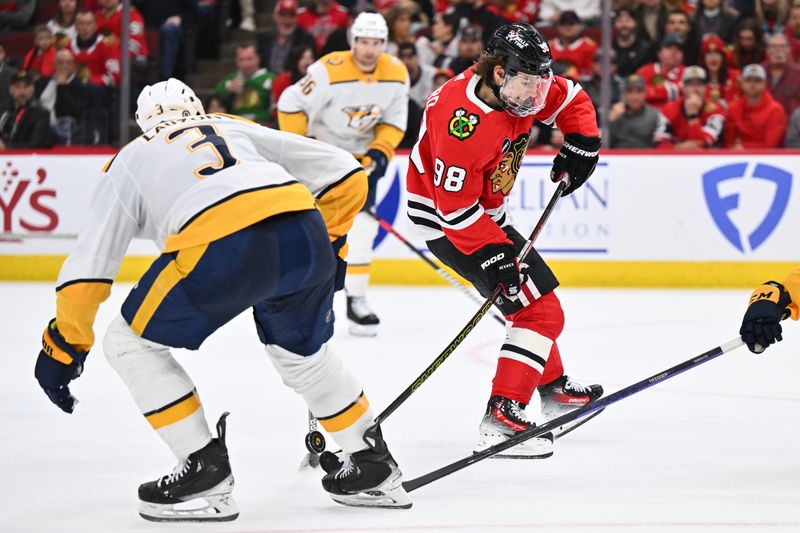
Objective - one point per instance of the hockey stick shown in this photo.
(442, 357)
(439, 270)
(584, 411)
(315, 444)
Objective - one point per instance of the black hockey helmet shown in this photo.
(522, 47)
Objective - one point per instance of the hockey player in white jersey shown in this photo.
(356, 100)
(245, 217)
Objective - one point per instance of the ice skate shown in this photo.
(197, 490)
(563, 396)
(503, 419)
(369, 478)
(363, 322)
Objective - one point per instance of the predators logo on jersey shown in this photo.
(505, 174)
(362, 118)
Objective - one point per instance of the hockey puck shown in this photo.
(315, 442)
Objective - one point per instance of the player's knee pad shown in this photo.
(544, 315)
(129, 354)
(360, 239)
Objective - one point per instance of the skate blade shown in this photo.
(361, 330)
(390, 495)
(216, 506)
(525, 450)
(560, 431)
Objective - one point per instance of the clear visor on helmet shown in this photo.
(525, 94)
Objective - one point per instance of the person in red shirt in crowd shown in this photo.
(783, 76)
(321, 19)
(97, 56)
(463, 167)
(41, 58)
(297, 63)
(109, 22)
(757, 120)
(792, 32)
(693, 121)
(663, 76)
(722, 85)
(510, 10)
(572, 48)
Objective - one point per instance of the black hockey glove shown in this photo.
(58, 363)
(761, 323)
(341, 264)
(498, 265)
(375, 163)
(576, 161)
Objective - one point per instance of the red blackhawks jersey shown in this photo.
(467, 157)
(662, 87)
(98, 61)
(675, 126)
(112, 24)
(579, 53)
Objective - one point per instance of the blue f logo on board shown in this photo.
(721, 206)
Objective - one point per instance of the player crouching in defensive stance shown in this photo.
(472, 140)
(770, 303)
(245, 217)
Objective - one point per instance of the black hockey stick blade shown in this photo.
(586, 410)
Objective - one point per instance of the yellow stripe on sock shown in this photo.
(175, 412)
(358, 269)
(346, 418)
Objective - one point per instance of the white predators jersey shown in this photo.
(191, 181)
(344, 104)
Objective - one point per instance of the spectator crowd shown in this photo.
(686, 74)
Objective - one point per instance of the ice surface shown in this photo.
(714, 449)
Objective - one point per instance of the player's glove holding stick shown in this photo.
(498, 265)
(58, 363)
(577, 160)
(374, 163)
(761, 325)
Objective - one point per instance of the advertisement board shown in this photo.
(657, 219)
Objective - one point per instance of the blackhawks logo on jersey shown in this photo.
(462, 125)
(364, 117)
(505, 173)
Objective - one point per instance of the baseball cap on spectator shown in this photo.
(472, 33)
(382, 6)
(712, 43)
(286, 7)
(598, 56)
(443, 71)
(22, 76)
(407, 49)
(634, 81)
(753, 70)
(672, 39)
(694, 73)
(568, 18)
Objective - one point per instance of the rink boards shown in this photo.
(707, 219)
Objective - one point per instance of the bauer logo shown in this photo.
(726, 188)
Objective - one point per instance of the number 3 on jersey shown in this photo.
(453, 176)
(209, 138)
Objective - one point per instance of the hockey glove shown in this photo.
(497, 263)
(374, 163)
(58, 363)
(576, 161)
(341, 264)
(761, 324)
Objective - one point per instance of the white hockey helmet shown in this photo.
(166, 100)
(370, 26)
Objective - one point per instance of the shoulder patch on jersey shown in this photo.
(462, 125)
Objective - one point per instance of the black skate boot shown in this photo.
(369, 478)
(198, 489)
(503, 419)
(363, 322)
(564, 395)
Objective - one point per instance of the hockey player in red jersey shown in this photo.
(473, 136)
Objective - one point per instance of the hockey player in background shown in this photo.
(245, 217)
(356, 100)
(770, 303)
(472, 140)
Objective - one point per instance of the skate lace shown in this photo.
(178, 472)
(518, 412)
(347, 468)
(574, 386)
(360, 306)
